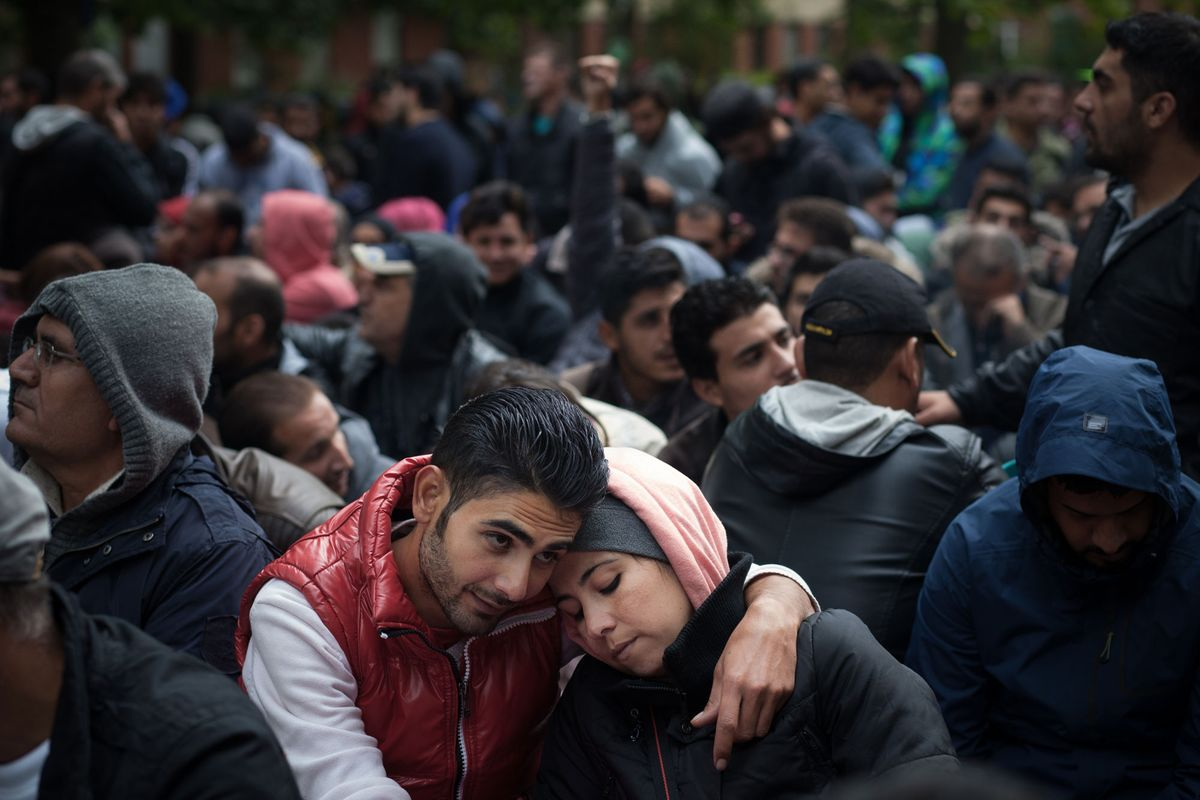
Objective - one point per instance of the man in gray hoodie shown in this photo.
(108, 373)
(832, 475)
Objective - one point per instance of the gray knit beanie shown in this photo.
(145, 334)
(613, 527)
(24, 527)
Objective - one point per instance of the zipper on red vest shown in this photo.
(460, 680)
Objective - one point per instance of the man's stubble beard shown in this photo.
(439, 578)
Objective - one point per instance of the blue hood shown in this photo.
(1103, 416)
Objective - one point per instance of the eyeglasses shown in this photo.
(46, 354)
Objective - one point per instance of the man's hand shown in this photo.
(756, 673)
(598, 78)
(658, 191)
(1009, 311)
(1062, 258)
(936, 408)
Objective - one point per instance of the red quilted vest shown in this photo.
(444, 731)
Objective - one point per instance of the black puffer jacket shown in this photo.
(855, 711)
(1144, 303)
(135, 719)
(852, 495)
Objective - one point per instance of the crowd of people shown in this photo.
(838, 437)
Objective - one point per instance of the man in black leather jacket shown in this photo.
(832, 476)
(1135, 289)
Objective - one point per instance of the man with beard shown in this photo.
(973, 109)
(1134, 289)
(408, 648)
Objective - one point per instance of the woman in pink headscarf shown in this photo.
(648, 592)
(297, 236)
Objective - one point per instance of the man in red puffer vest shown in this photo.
(408, 647)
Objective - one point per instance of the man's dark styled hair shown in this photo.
(826, 219)
(1161, 53)
(803, 71)
(145, 86)
(239, 127)
(733, 108)
(427, 83)
(1018, 81)
(703, 310)
(870, 72)
(1006, 191)
(491, 201)
(1013, 169)
(636, 271)
(519, 439)
(85, 67)
(851, 362)
(649, 88)
(260, 402)
(252, 293)
(705, 206)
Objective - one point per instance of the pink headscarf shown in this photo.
(408, 214)
(678, 516)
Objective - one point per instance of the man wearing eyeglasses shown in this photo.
(108, 372)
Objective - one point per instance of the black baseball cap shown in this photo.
(890, 301)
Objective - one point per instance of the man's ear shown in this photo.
(608, 335)
(248, 331)
(799, 346)
(707, 390)
(1158, 109)
(909, 362)
(430, 494)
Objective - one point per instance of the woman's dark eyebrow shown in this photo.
(587, 573)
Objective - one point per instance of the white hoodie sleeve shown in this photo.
(299, 678)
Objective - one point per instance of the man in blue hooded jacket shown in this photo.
(1059, 624)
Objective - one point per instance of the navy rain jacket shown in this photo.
(1085, 679)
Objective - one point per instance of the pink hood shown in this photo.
(298, 232)
(681, 520)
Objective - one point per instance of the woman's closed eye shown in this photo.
(612, 585)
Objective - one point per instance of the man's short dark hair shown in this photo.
(1017, 82)
(491, 201)
(84, 68)
(260, 402)
(648, 88)
(239, 127)
(705, 206)
(871, 181)
(1013, 169)
(519, 439)
(869, 73)
(706, 308)
(805, 70)
(636, 271)
(817, 260)
(1012, 192)
(31, 80)
(426, 83)
(228, 209)
(987, 90)
(851, 362)
(825, 219)
(251, 294)
(145, 86)
(733, 108)
(1161, 53)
